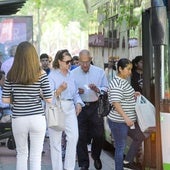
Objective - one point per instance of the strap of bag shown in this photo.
(141, 99)
(58, 101)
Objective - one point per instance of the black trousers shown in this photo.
(90, 127)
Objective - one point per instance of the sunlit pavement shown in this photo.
(8, 159)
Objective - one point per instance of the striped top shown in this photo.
(26, 98)
(121, 91)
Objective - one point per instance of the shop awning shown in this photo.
(92, 5)
(9, 7)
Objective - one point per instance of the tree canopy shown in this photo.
(47, 13)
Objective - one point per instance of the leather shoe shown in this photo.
(98, 164)
(83, 168)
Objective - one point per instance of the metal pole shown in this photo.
(159, 40)
(157, 59)
(39, 30)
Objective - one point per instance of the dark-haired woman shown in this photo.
(122, 118)
(64, 86)
(26, 82)
(137, 74)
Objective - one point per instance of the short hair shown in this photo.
(84, 52)
(75, 57)
(44, 55)
(122, 63)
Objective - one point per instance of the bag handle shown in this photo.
(141, 99)
(58, 100)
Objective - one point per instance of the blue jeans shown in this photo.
(120, 131)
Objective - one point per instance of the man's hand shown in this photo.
(81, 91)
(94, 88)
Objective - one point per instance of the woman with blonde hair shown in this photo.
(26, 82)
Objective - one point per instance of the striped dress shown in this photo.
(26, 98)
(122, 92)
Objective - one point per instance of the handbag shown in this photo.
(104, 105)
(145, 113)
(55, 116)
(11, 143)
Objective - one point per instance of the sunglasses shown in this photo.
(67, 62)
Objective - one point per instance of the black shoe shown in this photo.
(83, 168)
(98, 164)
(132, 165)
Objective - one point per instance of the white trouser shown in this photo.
(71, 130)
(34, 126)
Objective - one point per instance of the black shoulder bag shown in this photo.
(104, 105)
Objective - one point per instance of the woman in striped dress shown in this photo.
(122, 117)
(26, 82)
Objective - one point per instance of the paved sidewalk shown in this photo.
(8, 159)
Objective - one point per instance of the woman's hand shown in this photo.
(137, 93)
(129, 122)
(61, 88)
(78, 108)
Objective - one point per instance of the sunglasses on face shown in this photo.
(67, 62)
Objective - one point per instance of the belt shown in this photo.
(90, 103)
(66, 99)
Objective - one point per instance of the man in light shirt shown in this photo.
(91, 80)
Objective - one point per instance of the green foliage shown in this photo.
(52, 23)
(126, 13)
(57, 10)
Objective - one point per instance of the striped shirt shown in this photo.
(122, 92)
(26, 98)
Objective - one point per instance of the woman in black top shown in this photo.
(137, 74)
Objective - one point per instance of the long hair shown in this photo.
(26, 67)
(135, 61)
(59, 56)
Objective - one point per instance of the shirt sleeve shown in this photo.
(52, 82)
(104, 83)
(45, 86)
(115, 93)
(7, 89)
(77, 99)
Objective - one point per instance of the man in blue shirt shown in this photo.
(44, 59)
(91, 80)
